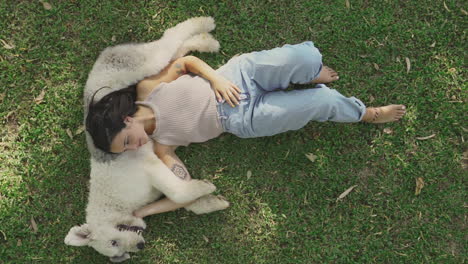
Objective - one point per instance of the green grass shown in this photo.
(286, 212)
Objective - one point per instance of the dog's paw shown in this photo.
(208, 186)
(204, 24)
(203, 42)
(208, 203)
(203, 187)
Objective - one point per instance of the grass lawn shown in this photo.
(284, 207)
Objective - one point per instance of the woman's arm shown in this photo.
(168, 156)
(170, 159)
(160, 206)
(223, 88)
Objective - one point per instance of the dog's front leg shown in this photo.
(175, 188)
(207, 204)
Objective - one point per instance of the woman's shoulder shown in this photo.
(143, 90)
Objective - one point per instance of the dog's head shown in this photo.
(113, 241)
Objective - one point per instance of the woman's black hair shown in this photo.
(106, 118)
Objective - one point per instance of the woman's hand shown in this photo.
(224, 88)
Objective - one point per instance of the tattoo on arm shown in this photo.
(179, 71)
(179, 171)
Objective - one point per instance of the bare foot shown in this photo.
(384, 114)
(326, 75)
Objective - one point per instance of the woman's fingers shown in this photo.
(237, 88)
(234, 98)
(229, 92)
(236, 92)
(228, 99)
(218, 96)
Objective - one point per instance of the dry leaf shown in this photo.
(249, 174)
(464, 160)
(424, 138)
(371, 99)
(206, 239)
(113, 39)
(419, 185)
(376, 66)
(464, 12)
(47, 6)
(388, 130)
(465, 129)
(220, 170)
(433, 45)
(6, 45)
(33, 224)
(19, 243)
(80, 130)
(408, 64)
(40, 98)
(445, 6)
(345, 193)
(348, 5)
(311, 157)
(69, 133)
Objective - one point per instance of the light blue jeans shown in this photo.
(265, 109)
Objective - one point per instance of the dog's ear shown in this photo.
(78, 236)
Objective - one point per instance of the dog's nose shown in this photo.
(141, 245)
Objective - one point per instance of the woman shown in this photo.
(190, 102)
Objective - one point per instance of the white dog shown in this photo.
(122, 183)
(119, 187)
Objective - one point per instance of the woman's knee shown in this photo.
(307, 62)
(326, 97)
(307, 55)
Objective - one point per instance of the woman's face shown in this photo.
(131, 137)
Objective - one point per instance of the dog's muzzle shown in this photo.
(136, 229)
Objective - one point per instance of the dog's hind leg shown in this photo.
(190, 27)
(203, 42)
(160, 52)
(174, 37)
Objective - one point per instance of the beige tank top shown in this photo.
(185, 111)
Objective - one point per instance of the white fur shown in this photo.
(120, 184)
